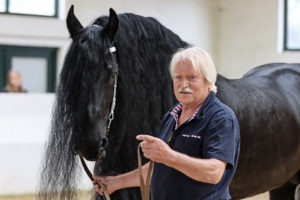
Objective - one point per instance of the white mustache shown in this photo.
(185, 90)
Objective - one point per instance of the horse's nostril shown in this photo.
(104, 142)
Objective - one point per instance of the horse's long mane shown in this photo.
(144, 93)
(74, 95)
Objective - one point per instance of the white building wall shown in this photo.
(24, 123)
(250, 34)
(24, 127)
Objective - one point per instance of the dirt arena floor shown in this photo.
(87, 196)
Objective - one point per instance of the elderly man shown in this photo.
(197, 148)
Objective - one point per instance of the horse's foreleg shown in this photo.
(285, 192)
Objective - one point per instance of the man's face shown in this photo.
(190, 86)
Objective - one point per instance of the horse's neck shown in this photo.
(229, 91)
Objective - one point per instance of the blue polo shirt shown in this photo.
(212, 133)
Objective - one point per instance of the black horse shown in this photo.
(265, 100)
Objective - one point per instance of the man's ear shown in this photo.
(210, 85)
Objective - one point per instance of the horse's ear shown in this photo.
(73, 24)
(112, 25)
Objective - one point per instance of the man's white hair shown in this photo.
(200, 60)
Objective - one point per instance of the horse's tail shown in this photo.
(59, 167)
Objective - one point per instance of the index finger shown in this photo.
(147, 138)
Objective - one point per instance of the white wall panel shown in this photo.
(251, 34)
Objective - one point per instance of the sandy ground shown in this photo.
(81, 196)
(87, 196)
(264, 196)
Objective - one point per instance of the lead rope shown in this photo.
(88, 172)
(145, 188)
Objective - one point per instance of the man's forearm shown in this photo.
(204, 170)
(131, 179)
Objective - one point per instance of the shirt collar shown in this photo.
(175, 112)
(201, 112)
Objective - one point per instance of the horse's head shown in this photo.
(87, 82)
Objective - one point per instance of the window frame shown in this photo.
(7, 52)
(285, 34)
(34, 15)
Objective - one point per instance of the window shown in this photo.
(2, 5)
(37, 67)
(30, 7)
(292, 25)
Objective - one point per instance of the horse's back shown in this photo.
(266, 102)
(281, 78)
(274, 69)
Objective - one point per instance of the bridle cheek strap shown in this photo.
(113, 104)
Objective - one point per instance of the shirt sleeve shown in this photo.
(221, 140)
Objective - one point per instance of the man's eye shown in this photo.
(192, 78)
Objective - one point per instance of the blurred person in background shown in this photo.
(14, 83)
